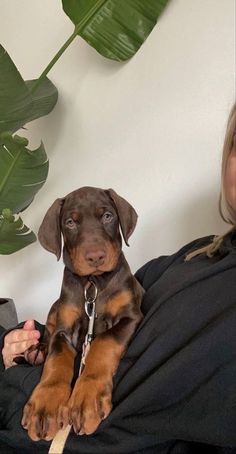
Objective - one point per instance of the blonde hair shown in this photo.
(227, 212)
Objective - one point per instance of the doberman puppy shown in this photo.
(89, 220)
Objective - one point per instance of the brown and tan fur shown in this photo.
(89, 219)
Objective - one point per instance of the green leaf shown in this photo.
(115, 28)
(22, 172)
(18, 104)
(44, 98)
(14, 235)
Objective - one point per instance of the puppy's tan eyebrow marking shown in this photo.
(75, 215)
(101, 210)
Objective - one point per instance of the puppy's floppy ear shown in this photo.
(49, 233)
(126, 213)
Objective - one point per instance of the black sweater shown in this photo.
(175, 389)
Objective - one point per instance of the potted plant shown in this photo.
(22, 171)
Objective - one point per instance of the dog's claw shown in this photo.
(36, 354)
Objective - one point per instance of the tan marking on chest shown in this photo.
(115, 305)
(68, 314)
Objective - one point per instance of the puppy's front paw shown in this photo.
(44, 414)
(89, 404)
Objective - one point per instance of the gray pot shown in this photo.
(8, 315)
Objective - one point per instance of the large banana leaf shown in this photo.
(22, 172)
(14, 235)
(18, 105)
(115, 28)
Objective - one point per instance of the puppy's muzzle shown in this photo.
(95, 257)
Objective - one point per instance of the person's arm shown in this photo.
(15, 342)
(149, 273)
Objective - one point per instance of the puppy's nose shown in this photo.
(95, 258)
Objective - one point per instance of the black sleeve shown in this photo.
(152, 271)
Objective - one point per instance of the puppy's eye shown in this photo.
(107, 217)
(70, 223)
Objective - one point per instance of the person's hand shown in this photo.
(17, 341)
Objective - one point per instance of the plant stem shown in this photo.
(92, 11)
(11, 167)
(53, 61)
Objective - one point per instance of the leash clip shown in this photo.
(90, 298)
(90, 307)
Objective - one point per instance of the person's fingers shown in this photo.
(21, 347)
(17, 341)
(19, 335)
(7, 362)
(13, 349)
(29, 325)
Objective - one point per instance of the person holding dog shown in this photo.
(175, 388)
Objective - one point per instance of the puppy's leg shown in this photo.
(45, 411)
(91, 400)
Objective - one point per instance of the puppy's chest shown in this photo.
(110, 307)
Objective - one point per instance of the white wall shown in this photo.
(151, 128)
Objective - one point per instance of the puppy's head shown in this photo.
(90, 220)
